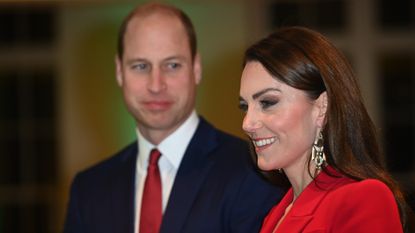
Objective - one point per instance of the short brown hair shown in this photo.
(151, 8)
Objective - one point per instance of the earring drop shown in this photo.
(317, 152)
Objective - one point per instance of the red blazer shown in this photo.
(339, 205)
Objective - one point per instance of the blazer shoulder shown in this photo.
(369, 201)
(220, 142)
(125, 155)
(365, 194)
(237, 150)
(366, 186)
(230, 139)
(221, 135)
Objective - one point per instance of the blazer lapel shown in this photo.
(294, 224)
(122, 192)
(306, 204)
(276, 213)
(291, 223)
(301, 212)
(192, 172)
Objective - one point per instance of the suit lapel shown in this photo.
(122, 192)
(191, 175)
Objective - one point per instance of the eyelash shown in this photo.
(140, 66)
(167, 67)
(243, 106)
(173, 65)
(267, 103)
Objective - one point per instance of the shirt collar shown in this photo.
(173, 147)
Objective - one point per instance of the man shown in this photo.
(204, 179)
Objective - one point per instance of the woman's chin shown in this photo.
(266, 166)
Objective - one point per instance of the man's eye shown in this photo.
(267, 103)
(140, 66)
(173, 65)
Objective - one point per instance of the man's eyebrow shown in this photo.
(174, 58)
(138, 59)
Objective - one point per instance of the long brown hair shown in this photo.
(306, 60)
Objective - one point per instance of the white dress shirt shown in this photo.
(172, 150)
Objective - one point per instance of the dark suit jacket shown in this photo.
(217, 189)
(338, 205)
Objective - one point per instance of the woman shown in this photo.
(305, 117)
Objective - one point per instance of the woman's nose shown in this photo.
(250, 122)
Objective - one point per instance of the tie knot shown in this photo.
(154, 157)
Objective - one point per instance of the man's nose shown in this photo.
(157, 82)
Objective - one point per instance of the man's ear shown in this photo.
(118, 70)
(197, 68)
(322, 105)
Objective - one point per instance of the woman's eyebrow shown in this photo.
(259, 93)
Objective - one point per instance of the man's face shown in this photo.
(157, 74)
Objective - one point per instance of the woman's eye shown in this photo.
(267, 103)
(243, 106)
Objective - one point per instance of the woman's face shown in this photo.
(281, 121)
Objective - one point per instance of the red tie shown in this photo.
(151, 210)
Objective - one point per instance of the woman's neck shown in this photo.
(299, 178)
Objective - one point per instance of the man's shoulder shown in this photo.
(225, 149)
(221, 136)
(120, 158)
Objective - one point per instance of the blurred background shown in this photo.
(61, 110)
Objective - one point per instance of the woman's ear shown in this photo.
(322, 105)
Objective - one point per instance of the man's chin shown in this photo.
(160, 124)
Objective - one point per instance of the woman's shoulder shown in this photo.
(368, 197)
(366, 186)
(369, 201)
(369, 190)
(339, 183)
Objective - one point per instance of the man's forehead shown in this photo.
(158, 26)
(155, 17)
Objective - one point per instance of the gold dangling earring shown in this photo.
(317, 152)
